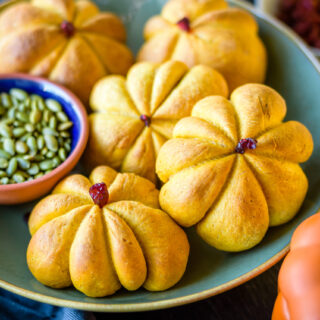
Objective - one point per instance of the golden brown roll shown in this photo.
(136, 115)
(232, 168)
(69, 42)
(207, 32)
(105, 232)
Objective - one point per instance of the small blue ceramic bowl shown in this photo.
(28, 191)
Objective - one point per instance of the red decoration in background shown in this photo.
(303, 16)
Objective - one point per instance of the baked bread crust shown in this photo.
(221, 37)
(129, 242)
(233, 198)
(163, 93)
(31, 40)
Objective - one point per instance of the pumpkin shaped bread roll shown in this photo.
(207, 32)
(134, 116)
(232, 168)
(69, 42)
(105, 232)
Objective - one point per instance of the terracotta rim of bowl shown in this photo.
(75, 155)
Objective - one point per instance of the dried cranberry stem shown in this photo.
(68, 28)
(244, 144)
(184, 24)
(99, 194)
(146, 120)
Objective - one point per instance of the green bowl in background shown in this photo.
(294, 72)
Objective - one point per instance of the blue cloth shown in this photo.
(14, 307)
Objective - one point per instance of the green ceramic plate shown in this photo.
(292, 71)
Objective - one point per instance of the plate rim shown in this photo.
(173, 302)
(147, 306)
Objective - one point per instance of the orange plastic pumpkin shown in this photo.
(299, 277)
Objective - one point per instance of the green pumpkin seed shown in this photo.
(18, 178)
(29, 157)
(46, 115)
(65, 126)
(3, 163)
(27, 103)
(50, 154)
(21, 147)
(34, 169)
(53, 105)
(38, 157)
(5, 131)
(44, 151)
(41, 104)
(22, 116)
(35, 97)
(8, 146)
(51, 142)
(15, 101)
(49, 131)
(19, 94)
(4, 154)
(4, 180)
(18, 132)
(46, 165)
(53, 122)
(23, 164)
(32, 144)
(22, 107)
(65, 134)
(25, 137)
(29, 127)
(35, 116)
(62, 154)
(11, 113)
(56, 161)
(12, 166)
(60, 141)
(62, 116)
(40, 142)
(6, 100)
(23, 173)
(34, 105)
(39, 175)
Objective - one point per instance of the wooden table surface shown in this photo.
(251, 301)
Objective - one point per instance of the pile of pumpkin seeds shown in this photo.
(34, 136)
